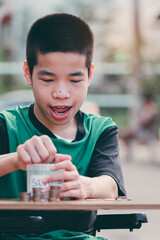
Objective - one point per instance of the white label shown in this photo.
(35, 181)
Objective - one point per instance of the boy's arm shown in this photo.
(35, 150)
(100, 187)
(8, 163)
(105, 159)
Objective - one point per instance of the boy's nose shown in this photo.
(61, 93)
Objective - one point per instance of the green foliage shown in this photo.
(151, 85)
(119, 115)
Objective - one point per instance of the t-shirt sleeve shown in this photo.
(4, 141)
(105, 158)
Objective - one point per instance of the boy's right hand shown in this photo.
(38, 149)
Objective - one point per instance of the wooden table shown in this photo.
(88, 204)
(19, 212)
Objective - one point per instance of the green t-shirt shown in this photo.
(20, 129)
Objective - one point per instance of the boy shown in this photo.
(59, 68)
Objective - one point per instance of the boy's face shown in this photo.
(60, 82)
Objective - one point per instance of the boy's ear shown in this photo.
(91, 74)
(26, 73)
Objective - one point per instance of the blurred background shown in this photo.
(125, 86)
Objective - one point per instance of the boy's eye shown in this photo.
(47, 80)
(76, 81)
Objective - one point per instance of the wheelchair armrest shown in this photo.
(31, 225)
(120, 221)
(35, 225)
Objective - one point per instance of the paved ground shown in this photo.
(142, 178)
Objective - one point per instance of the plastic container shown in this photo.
(35, 175)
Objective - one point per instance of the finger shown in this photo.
(61, 175)
(23, 157)
(66, 165)
(50, 148)
(70, 185)
(41, 149)
(42, 146)
(62, 157)
(32, 152)
(74, 193)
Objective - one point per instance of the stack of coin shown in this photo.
(38, 194)
(54, 193)
(25, 196)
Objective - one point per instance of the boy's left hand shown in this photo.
(73, 185)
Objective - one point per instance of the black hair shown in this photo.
(59, 32)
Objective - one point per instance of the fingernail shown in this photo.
(44, 180)
(52, 167)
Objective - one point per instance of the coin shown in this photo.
(25, 196)
(38, 194)
(54, 193)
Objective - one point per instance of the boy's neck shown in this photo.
(67, 132)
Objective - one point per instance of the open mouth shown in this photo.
(60, 112)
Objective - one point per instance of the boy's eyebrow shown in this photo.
(78, 73)
(45, 72)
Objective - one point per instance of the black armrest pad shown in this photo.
(120, 221)
(22, 224)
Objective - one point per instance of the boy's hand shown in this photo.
(74, 184)
(38, 149)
